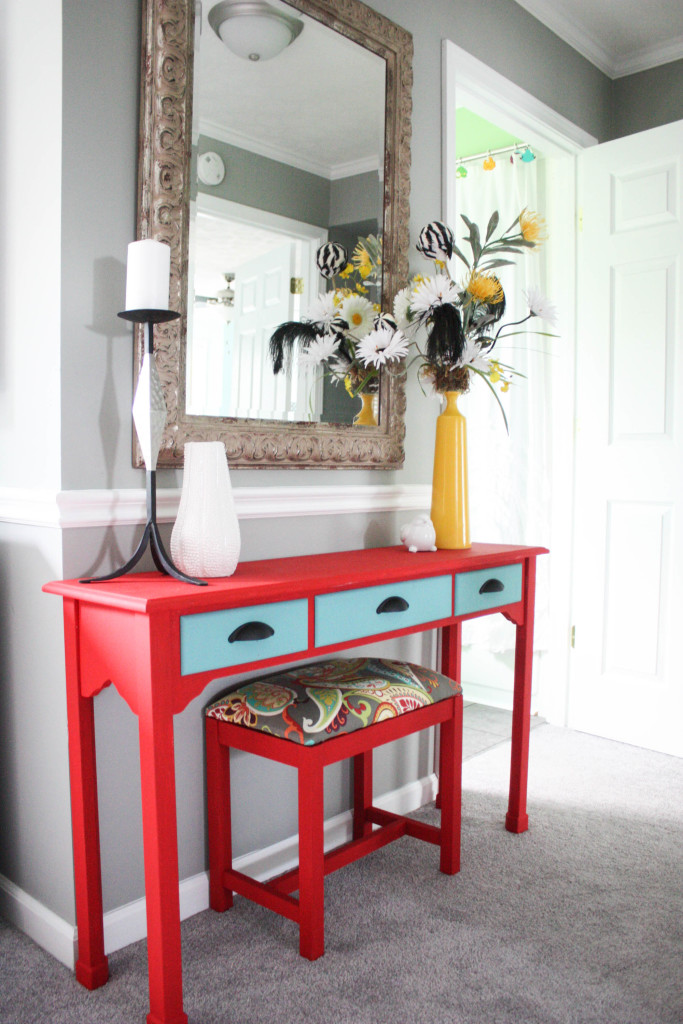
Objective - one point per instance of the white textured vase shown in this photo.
(206, 536)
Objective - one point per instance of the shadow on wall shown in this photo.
(109, 289)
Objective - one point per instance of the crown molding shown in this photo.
(331, 172)
(570, 32)
(653, 57)
(611, 64)
(102, 508)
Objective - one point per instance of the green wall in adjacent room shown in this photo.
(475, 135)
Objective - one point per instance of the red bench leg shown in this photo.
(450, 785)
(311, 862)
(220, 838)
(362, 793)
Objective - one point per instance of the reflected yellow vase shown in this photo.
(366, 416)
(450, 505)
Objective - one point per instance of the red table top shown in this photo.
(274, 579)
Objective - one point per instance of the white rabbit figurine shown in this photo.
(419, 534)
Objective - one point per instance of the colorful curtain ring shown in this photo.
(461, 171)
(489, 163)
(527, 156)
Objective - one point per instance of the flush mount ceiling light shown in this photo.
(253, 30)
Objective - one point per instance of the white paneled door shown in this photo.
(627, 663)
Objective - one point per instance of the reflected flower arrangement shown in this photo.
(344, 333)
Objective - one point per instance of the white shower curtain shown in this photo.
(508, 474)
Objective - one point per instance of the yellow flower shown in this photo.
(347, 271)
(494, 375)
(485, 288)
(348, 385)
(362, 260)
(505, 385)
(361, 289)
(532, 227)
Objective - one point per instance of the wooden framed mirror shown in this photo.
(182, 65)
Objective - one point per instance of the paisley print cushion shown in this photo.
(312, 703)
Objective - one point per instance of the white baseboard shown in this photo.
(128, 923)
(46, 928)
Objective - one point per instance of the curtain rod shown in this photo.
(494, 152)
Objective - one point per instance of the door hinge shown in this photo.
(296, 286)
(572, 638)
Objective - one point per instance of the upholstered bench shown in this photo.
(311, 716)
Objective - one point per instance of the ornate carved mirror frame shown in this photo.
(163, 213)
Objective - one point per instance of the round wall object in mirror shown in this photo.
(210, 169)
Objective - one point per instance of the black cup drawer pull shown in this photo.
(251, 631)
(492, 586)
(392, 604)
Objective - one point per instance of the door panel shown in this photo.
(627, 680)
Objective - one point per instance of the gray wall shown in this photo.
(265, 184)
(647, 99)
(98, 220)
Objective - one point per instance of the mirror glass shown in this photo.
(246, 167)
(297, 141)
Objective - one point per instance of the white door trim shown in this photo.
(498, 99)
(466, 81)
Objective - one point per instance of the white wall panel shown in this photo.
(635, 590)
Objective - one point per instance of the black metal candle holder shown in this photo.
(151, 536)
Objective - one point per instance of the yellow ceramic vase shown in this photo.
(366, 416)
(450, 506)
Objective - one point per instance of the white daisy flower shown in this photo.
(402, 308)
(433, 291)
(540, 306)
(472, 357)
(322, 310)
(359, 315)
(324, 347)
(382, 346)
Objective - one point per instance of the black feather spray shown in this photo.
(283, 338)
(446, 339)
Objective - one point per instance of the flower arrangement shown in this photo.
(344, 333)
(452, 327)
(463, 323)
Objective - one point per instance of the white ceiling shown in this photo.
(620, 37)
(318, 106)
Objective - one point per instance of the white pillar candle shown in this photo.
(148, 275)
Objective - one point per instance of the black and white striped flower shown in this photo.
(385, 320)
(436, 241)
(331, 258)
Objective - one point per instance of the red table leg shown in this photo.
(517, 819)
(311, 862)
(451, 655)
(450, 786)
(219, 823)
(160, 838)
(154, 657)
(92, 969)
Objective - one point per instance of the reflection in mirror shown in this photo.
(290, 153)
(311, 172)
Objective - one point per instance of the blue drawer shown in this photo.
(234, 636)
(487, 588)
(353, 614)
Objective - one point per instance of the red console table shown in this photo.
(160, 642)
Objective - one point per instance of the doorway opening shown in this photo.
(535, 461)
